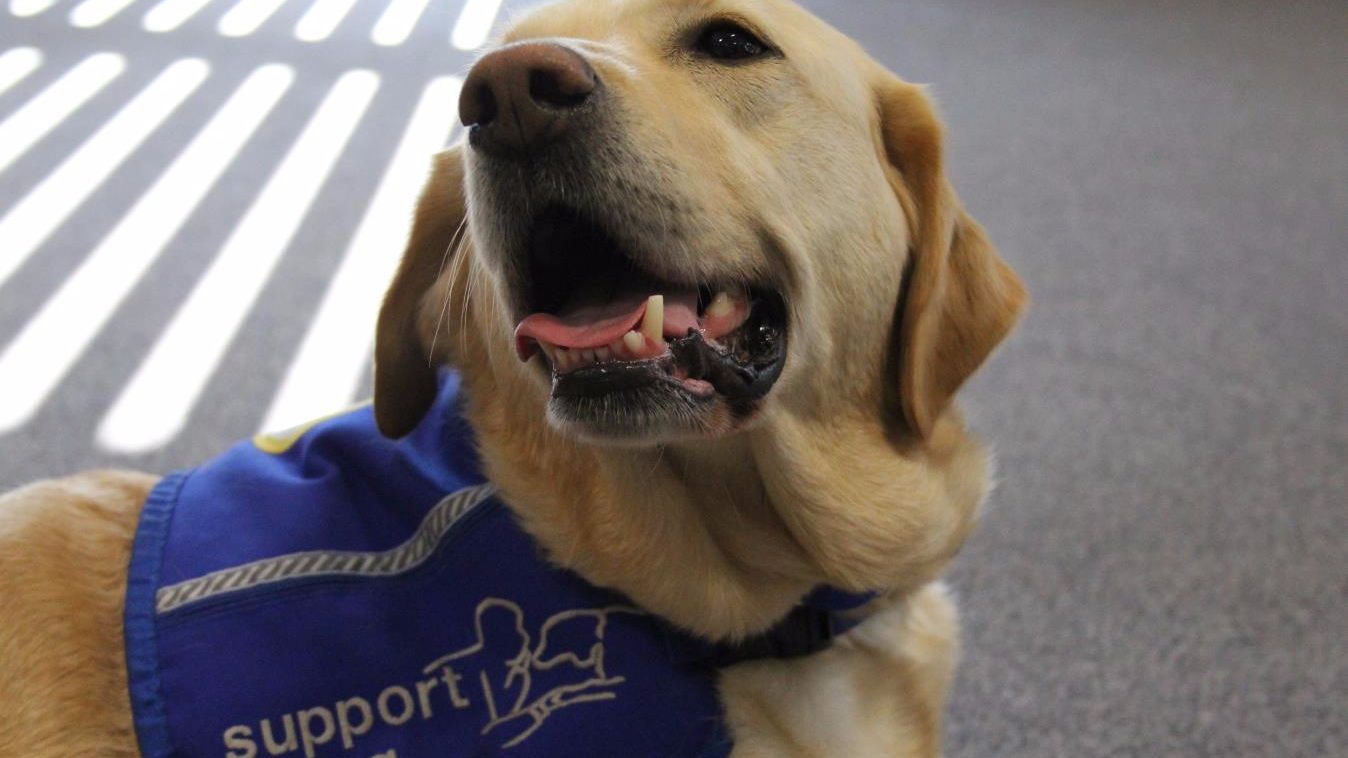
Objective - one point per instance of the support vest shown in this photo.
(329, 592)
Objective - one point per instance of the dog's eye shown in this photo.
(727, 41)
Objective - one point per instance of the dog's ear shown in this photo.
(404, 371)
(960, 298)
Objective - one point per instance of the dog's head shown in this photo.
(670, 217)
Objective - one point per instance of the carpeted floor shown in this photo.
(1163, 570)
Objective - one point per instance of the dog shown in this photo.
(707, 295)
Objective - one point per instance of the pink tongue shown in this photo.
(590, 326)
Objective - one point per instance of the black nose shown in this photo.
(523, 96)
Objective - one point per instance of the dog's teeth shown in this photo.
(563, 358)
(601, 353)
(634, 342)
(653, 323)
(618, 348)
(721, 305)
(587, 356)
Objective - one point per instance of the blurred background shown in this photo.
(201, 201)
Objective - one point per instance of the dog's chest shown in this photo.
(324, 596)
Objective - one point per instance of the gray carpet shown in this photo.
(1162, 571)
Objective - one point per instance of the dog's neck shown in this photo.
(720, 537)
(724, 538)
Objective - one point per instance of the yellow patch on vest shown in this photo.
(277, 443)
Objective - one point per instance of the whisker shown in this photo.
(473, 274)
(454, 243)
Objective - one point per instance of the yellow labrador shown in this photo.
(699, 255)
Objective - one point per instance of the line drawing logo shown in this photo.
(510, 678)
(508, 684)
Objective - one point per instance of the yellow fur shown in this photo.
(64, 547)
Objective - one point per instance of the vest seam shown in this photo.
(262, 595)
(470, 501)
(139, 624)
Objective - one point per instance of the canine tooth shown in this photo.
(563, 358)
(653, 323)
(634, 342)
(601, 353)
(721, 305)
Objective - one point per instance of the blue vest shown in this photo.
(329, 592)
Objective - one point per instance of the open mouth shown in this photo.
(610, 329)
